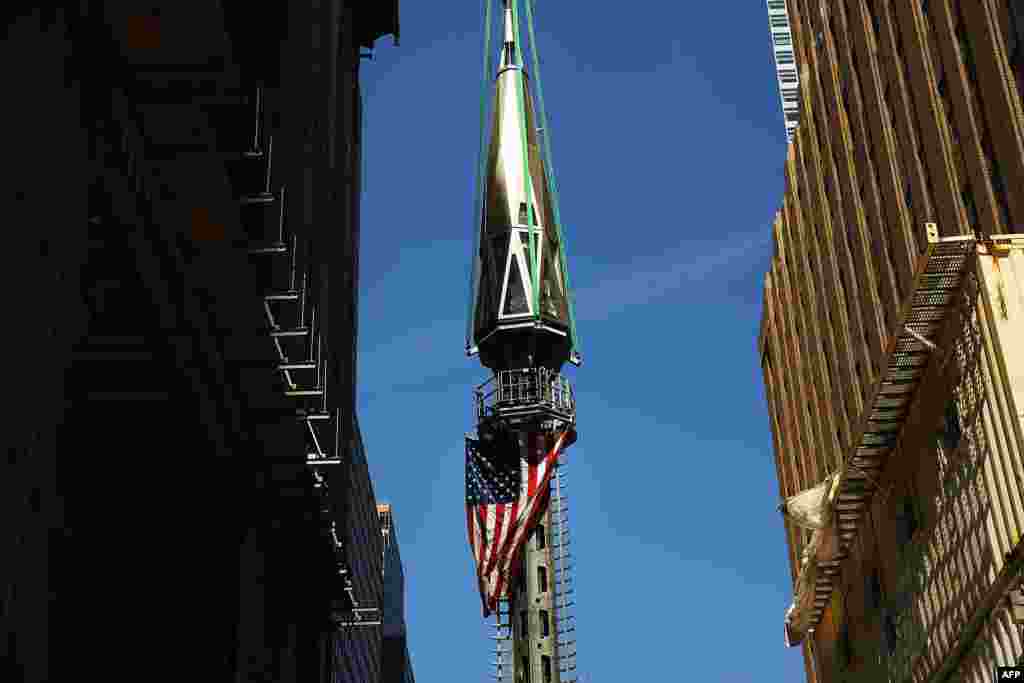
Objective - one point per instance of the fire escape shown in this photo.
(280, 261)
(937, 283)
(283, 261)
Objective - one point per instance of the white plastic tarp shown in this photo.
(810, 509)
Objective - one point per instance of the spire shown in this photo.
(508, 52)
(520, 271)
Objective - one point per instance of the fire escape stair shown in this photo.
(292, 331)
(275, 257)
(936, 286)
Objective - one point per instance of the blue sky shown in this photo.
(669, 145)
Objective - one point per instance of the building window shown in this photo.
(542, 579)
(968, 59)
(545, 665)
(545, 624)
(845, 646)
(1016, 32)
(874, 19)
(972, 210)
(889, 634)
(951, 426)
(999, 188)
(906, 522)
(874, 591)
(541, 535)
(524, 671)
(996, 176)
(931, 195)
(524, 618)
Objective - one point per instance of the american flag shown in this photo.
(506, 492)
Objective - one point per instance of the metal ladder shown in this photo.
(565, 618)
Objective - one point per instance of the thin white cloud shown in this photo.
(393, 365)
(655, 277)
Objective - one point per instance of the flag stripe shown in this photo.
(469, 529)
(495, 519)
(535, 444)
(481, 535)
(478, 531)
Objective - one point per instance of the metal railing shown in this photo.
(523, 389)
(938, 281)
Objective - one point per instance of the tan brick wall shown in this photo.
(911, 112)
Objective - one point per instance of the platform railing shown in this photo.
(523, 389)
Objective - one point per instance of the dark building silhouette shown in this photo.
(396, 666)
(185, 478)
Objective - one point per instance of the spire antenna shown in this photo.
(508, 53)
(521, 329)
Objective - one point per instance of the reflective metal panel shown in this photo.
(507, 207)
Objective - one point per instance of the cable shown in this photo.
(552, 185)
(531, 217)
(480, 169)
